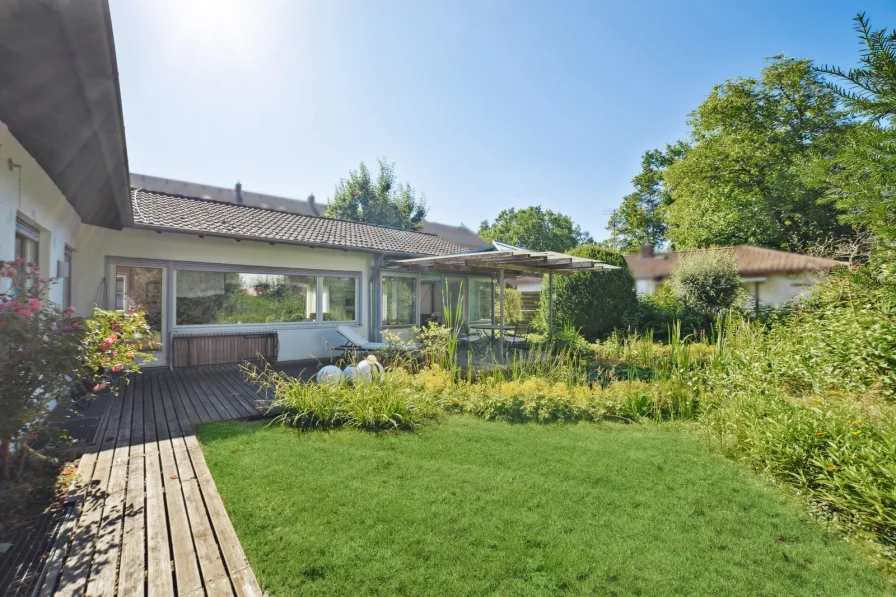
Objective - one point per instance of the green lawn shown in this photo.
(466, 507)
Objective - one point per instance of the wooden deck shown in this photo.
(145, 517)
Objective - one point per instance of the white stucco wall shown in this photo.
(297, 340)
(40, 203)
(777, 289)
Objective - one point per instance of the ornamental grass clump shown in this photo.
(383, 403)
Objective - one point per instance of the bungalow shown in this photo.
(771, 278)
(199, 266)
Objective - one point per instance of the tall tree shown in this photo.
(862, 182)
(384, 201)
(640, 220)
(742, 180)
(535, 228)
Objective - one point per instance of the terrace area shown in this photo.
(144, 516)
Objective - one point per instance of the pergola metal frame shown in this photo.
(501, 257)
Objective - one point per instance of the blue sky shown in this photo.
(481, 105)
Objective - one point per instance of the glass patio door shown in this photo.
(142, 288)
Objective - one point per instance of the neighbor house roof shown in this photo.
(752, 261)
(60, 99)
(179, 213)
(458, 235)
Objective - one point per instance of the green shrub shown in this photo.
(513, 305)
(595, 303)
(707, 281)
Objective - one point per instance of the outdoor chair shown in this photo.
(355, 342)
(519, 337)
(474, 340)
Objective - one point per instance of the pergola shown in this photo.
(501, 258)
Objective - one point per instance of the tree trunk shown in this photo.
(21, 454)
(4, 456)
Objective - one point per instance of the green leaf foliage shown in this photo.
(861, 182)
(707, 281)
(640, 219)
(598, 302)
(742, 178)
(384, 201)
(535, 228)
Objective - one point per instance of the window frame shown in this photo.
(415, 317)
(67, 257)
(318, 275)
(27, 233)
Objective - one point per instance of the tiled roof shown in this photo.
(751, 260)
(303, 207)
(178, 213)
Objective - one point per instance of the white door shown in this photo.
(143, 288)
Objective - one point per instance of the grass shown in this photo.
(468, 507)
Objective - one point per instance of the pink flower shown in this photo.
(117, 367)
(25, 312)
(34, 304)
(99, 387)
(114, 336)
(109, 341)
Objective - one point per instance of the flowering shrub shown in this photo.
(39, 358)
(47, 353)
(112, 344)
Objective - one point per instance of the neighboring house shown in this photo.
(771, 277)
(195, 260)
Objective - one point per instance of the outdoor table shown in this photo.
(494, 328)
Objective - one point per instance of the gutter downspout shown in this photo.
(376, 299)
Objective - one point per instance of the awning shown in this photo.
(502, 256)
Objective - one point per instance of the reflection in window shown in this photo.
(209, 297)
(339, 299)
(399, 300)
(481, 302)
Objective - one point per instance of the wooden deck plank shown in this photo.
(75, 496)
(237, 390)
(184, 407)
(241, 573)
(104, 569)
(132, 575)
(186, 569)
(202, 384)
(202, 405)
(77, 566)
(213, 378)
(149, 519)
(235, 395)
(249, 393)
(159, 570)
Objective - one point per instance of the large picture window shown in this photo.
(230, 298)
(399, 300)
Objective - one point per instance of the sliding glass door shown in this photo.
(143, 288)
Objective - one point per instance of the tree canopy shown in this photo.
(384, 201)
(535, 228)
(862, 180)
(741, 180)
(743, 176)
(640, 220)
